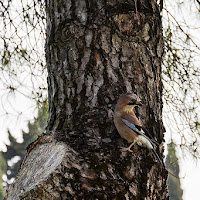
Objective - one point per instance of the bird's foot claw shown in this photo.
(127, 149)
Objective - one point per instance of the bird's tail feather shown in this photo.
(158, 158)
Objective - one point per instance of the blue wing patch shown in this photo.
(140, 130)
(133, 127)
(142, 138)
(142, 133)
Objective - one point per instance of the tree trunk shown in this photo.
(97, 50)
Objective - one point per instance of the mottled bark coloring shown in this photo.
(95, 51)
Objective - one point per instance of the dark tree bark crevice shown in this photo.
(97, 50)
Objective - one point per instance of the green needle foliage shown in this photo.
(174, 185)
(19, 149)
(2, 172)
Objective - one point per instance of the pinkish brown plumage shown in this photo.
(129, 126)
(124, 110)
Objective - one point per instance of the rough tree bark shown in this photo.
(95, 51)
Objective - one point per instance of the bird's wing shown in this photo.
(146, 132)
(139, 130)
(135, 121)
(135, 128)
(141, 134)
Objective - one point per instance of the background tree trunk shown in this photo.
(97, 50)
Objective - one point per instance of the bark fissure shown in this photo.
(97, 50)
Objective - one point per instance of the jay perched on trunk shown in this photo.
(129, 126)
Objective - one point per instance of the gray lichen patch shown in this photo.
(146, 30)
(40, 163)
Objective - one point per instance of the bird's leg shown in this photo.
(129, 148)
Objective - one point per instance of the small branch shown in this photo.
(179, 26)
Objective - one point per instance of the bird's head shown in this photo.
(128, 101)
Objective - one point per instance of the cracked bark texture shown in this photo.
(95, 51)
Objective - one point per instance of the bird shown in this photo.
(129, 126)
